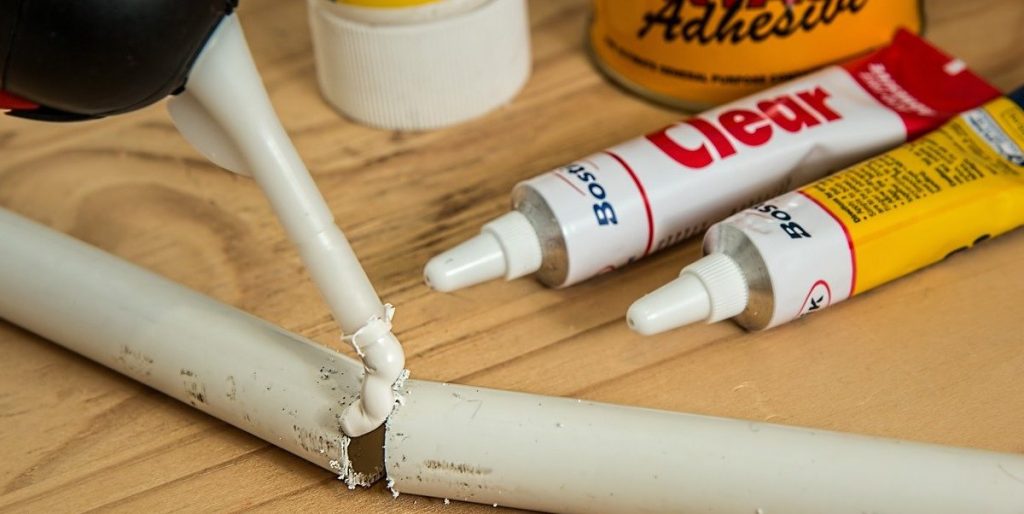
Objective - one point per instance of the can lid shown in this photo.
(709, 290)
(506, 247)
(420, 66)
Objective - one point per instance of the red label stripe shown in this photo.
(643, 195)
(14, 102)
(914, 79)
(846, 233)
(578, 190)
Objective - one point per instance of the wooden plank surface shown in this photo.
(937, 356)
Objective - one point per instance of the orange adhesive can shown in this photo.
(695, 54)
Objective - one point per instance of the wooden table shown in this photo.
(937, 356)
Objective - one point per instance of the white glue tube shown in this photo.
(620, 205)
(862, 227)
(225, 113)
(467, 443)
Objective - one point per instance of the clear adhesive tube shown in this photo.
(860, 228)
(616, 206)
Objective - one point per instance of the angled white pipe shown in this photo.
(467, 443)
(224, 111)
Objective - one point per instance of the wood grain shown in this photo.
(933, 357)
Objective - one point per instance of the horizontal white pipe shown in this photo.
(564, 455)
(222, 361)
(466, 443)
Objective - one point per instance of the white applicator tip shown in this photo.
(507, 247)
(681, 302)
(712, 289)
(475, 261)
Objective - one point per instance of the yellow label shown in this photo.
(713, 51)
(927, 199)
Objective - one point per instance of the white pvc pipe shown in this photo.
(466, 443)
(229, 364)
(564, 455)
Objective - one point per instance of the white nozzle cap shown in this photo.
(477, 260)
(506, 247)
(710, 290)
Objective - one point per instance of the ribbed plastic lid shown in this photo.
(420, 67)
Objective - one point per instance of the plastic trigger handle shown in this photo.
(205, 134)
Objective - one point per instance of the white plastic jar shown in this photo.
(419, 64)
